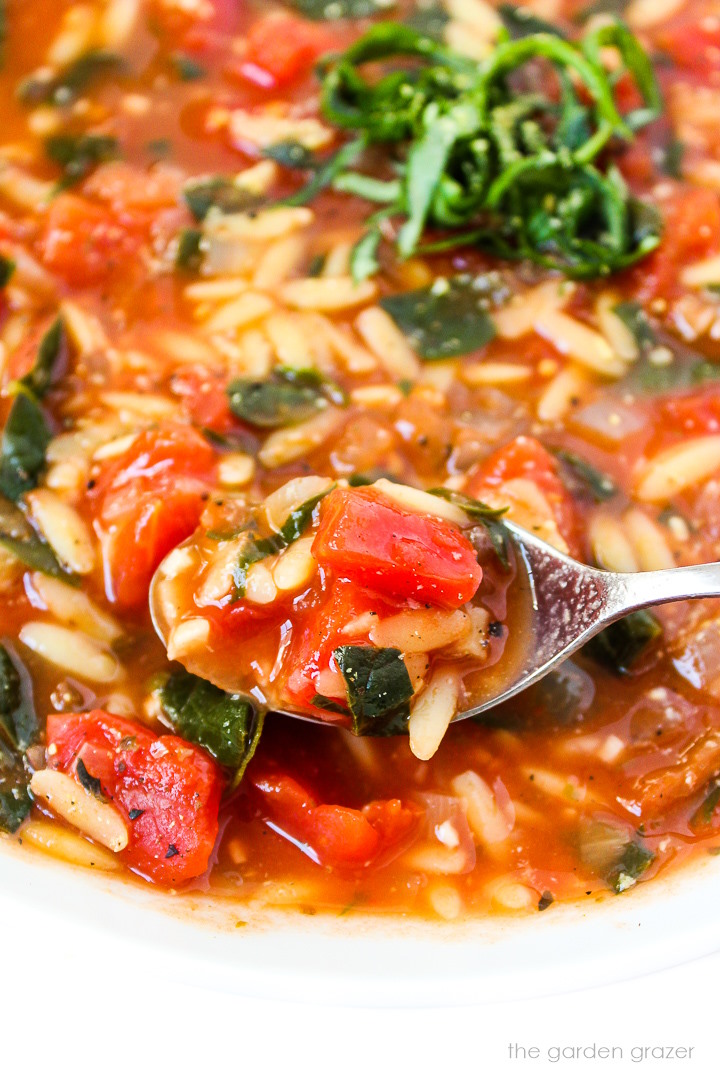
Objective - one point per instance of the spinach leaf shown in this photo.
(18, 728)
(704, 813)
(484, 515)
(223, 193)
(520, 22)
(586, 478)
(48, 88)
(7, 269)
(17, 537)
(378, 689)
(91, 783)
(228, 726)
(632, 864)
(257, 548)
(330, 705)
(292, 155)
(186, 67)
(277, 401)
(620, 645)
(50, 361)
(637, 322)
(22, 451)
(446, 319)
(78, 155)
(672, 158)
(322, 10)
(189, 254)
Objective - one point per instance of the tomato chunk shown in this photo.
(339, 836)
(400, 553)
(280, 49)
(167, 790)
(525, 460)
(84, 243)
(151, 499)
(691, 232)
(693, 44)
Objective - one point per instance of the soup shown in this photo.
(300, 302)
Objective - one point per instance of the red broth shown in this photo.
(138, 205)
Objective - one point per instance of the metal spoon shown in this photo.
(561, 605)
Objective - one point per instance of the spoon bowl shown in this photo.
(561, 605)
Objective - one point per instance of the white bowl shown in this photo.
(385, 960)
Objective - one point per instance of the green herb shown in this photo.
(189, 254)
(159, 148)
(520, 22)
(704, 813)
(446, 319)
(366, 479)
(514, 172)
(672, 158)
(7, 269)
(91, 783)
(224, 193)
(19, 538)
(276, 401)
(22, 451)
(51, 358)
(637, 322)
(484, 515)
(320, 701)
(325, 172)
(78, 155)
(257, 548)
(49, 88)
(18, 728)
(321, 10)
(186, 68)
(228, 726)
(587, 478)
(633, 863)
(292, 155)
(620, 645)
(378, 689)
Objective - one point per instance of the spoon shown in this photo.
(564, 604)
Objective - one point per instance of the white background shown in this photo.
(72, 1006)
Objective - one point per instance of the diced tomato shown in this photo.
(691, 231)
(322, 632)
(166, 790)
(338, 835)
(204, 395)
(526, 459)
(402, 554)
(282, 48)
(693, 44)
(151, 499)
(84, 243)
(694, 413)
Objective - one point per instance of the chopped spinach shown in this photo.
(257, 548)
(18, 728)
(22, 450)
(46, 87)
(7, 269)
(378, 689)
(446, 319)
(224, 193)
(586, 478)
(704, 813)
(20, 539)
(186, 67)
(78, 155)
(672, 158)
(189, 254)
(91, 783)
(620, 645)
(632, 864)
(292, 155)
(321, 10)
(484, 515)
(637, 322)
(275, 402)
(50, 360)
(330, 705)
(228, 726)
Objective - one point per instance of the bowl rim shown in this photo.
(382, 960)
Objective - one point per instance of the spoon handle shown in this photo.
(629, 592)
